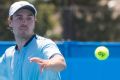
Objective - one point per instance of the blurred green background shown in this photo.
(76, 20)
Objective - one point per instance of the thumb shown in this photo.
(42, 68)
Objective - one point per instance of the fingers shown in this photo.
(36, 59)
(39, 61)
(42, 68)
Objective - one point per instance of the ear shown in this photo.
(10, 23)
(35, 19)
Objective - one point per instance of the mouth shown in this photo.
(23, 28)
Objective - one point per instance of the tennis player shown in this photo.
(33, 57)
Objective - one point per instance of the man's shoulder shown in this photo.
(44, 39)
(38, 37)
(9, 51)
(10, 48)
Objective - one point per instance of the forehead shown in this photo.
(24, 12)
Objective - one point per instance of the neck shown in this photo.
(22, 41)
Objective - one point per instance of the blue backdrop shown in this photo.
(81, 62)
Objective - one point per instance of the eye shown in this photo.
(29, 18)
(19, 18)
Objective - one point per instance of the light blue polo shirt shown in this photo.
(17, 64)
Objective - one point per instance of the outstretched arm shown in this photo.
(57, 62)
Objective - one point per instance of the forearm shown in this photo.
(56, 63)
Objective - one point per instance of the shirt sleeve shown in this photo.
(4, 69)
(50, 49)
(5, 65)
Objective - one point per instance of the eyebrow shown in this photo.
(21, 15)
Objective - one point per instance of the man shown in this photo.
(33, 57)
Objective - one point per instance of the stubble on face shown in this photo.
(23, 23)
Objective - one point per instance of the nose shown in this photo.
(24, 21)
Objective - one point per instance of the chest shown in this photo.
(21, 66)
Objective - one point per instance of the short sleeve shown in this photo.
(5, 65)
(4, 69)
(50, 49)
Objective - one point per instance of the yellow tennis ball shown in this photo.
(101, 53)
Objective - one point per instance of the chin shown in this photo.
(23, 35)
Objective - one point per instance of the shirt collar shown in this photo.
(33, 36)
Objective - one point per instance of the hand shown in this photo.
(41, 62)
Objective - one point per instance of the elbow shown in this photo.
(63, 65)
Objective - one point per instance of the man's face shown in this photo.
(23, 23)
